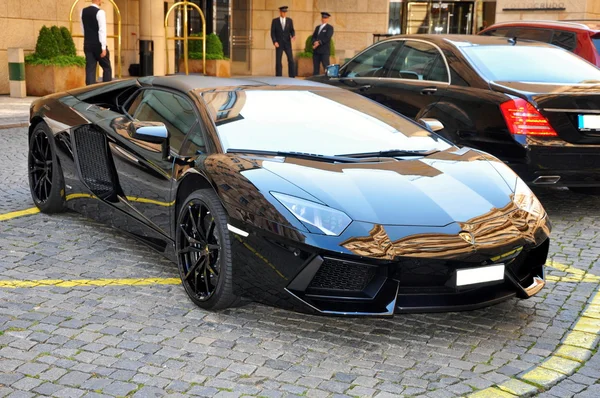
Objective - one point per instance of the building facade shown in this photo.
(244, 25)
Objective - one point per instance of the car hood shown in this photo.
(452, 186)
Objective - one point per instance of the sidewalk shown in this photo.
(14, 112)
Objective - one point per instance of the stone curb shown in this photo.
(5, 126)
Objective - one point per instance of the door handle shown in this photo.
(365, 87)
(429, 90)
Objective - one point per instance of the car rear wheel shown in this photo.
(204, 251)
(586, 190)
(46, 180)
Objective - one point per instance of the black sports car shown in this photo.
(533, 105)
(292, 193)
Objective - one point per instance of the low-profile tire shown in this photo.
(586, 190)
(46, 180)
(203, 249)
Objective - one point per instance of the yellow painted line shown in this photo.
(20, 213)
(575, 349)
(35, 210)
(13, 284)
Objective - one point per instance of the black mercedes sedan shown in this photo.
(291, 193)
(533, 105)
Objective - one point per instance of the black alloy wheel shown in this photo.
(46, 180)
(204, 251)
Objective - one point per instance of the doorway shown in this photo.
(241, 41)
(443, 17)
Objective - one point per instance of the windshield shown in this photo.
(531, 64)
(325, 122)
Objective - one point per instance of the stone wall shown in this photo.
(21, 21)
(354, 22)
(574, 9)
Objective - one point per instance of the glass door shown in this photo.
(443, 17)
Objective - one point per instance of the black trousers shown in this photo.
(287, 48)
(318, 60)
(92, 58)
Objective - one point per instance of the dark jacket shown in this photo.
(324, 38)
(282, 36)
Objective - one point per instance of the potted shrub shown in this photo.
(216, 62)
(305, 61)
(54, 66)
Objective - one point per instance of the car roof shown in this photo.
(187, 83)
(468, 40)
(581, 25)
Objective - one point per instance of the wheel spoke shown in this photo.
(211, 269)
(37, 185)
(36, 169)
(199, 262)
(206, 283)
(189, 238)
(195, 224)
(211, 229)
(191, 249)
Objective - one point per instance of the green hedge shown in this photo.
(198, 55)
(308, 50)
(214, 47)
(55, 47)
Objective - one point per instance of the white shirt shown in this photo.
(101, 18)
(282, 20)
(321, 28)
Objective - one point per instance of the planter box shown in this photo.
(305, 66)
(219, 68)
(43, 80)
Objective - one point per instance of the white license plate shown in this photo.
(472, 276)
(589, 122)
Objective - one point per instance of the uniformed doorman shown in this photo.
(93, 25)
(321, 39)
(282, 34)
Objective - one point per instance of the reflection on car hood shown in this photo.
(434, 191)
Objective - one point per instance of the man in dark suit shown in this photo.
(282, 34)
(93, 25)
(321, 39)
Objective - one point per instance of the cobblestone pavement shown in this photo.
(149, 341)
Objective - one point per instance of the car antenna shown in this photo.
(513, 40)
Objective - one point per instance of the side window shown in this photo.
(419, 61)
(543, 35)
(566, 40)
(502, 32)
(371, 63)
(174, 110)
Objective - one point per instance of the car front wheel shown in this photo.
(46, 179)
(204, 251)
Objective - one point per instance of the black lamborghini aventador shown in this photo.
(291, 193)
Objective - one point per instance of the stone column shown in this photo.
(16, 72)
(152, 20)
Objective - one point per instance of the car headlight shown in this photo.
(327, 220)
(526, 200)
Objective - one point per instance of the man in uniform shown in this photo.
(321, 39)
(93, 25)
(282, 34)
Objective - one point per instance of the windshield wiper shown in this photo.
(390, 153)
(300, 155)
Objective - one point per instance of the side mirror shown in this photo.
(333, 71)
(431, 124)
(152, 132)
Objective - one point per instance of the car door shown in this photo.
(417, 78)
(145, 175)
(363, 73)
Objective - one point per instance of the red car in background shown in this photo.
(581, 37)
